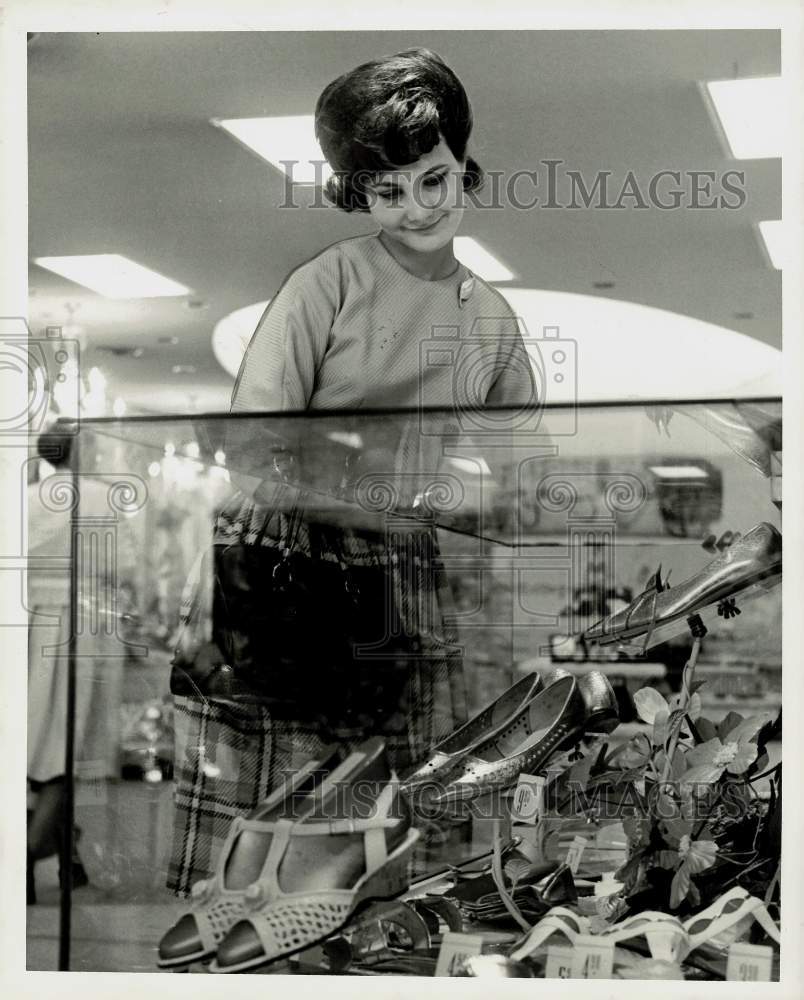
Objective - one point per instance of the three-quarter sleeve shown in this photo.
(279, 368)
(515, 384)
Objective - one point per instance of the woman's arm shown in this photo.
(278, 373)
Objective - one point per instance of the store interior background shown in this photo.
(124, 158)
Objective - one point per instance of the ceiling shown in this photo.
(123, 159)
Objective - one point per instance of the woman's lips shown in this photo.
(424, 229)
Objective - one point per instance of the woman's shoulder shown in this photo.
(328, 266)
(491, 300)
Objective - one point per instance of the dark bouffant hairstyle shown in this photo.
(388, 113)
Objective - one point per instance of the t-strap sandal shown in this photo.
(216, 904)
(282, 923)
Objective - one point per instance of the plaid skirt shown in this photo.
(229, 757)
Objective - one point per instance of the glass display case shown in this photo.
(257, 610)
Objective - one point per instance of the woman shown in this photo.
(352, 329)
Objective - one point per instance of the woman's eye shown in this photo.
(435, 181)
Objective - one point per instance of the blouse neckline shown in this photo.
(459, 274)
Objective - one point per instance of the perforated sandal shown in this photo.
(281, 923)
(216, 905)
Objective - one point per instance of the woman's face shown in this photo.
(420, 205)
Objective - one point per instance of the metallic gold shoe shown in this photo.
(555, 719)
(659, 612)
(354, 848)
(481, 727)
(218, 902)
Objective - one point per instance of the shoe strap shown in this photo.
(372, 827)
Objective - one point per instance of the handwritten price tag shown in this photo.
(528, 802)
(575, 852)
(559, 962)
(749, 963)
(455, 949)
(592, 958)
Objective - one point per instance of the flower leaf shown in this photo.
(660, 727)
(705, 729)
(648, 702)
(694, 708)
(666, 859)
(748, 728)
(727, 723)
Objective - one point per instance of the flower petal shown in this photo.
(648, 702)
(743, 759)
(701, 855)
(704, 753)
(703, 774)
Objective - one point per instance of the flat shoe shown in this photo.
(483, 726)
(555, 719)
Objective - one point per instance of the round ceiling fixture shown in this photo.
(232, 334)
(598, 349)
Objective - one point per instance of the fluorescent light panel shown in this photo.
(773, 236)
(478, 259)
(113, 276)
(289, 138)
(678, 471)
(751, 113)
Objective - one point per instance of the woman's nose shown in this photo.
(419, 205)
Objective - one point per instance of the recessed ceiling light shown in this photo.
(478, 259)
(288, 143)
(751, 115)
(113, 276)
(183, 369)
(773, 236)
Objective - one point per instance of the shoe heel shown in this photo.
(602, 715)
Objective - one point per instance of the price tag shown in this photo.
(749, 963)
(528, 802)
(559, 962)
(592, 958)
(455, 949)
(574, 853)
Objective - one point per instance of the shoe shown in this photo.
(756, 558)
(555, 719)
(322, 869)
(482, 726)
(219, 902)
